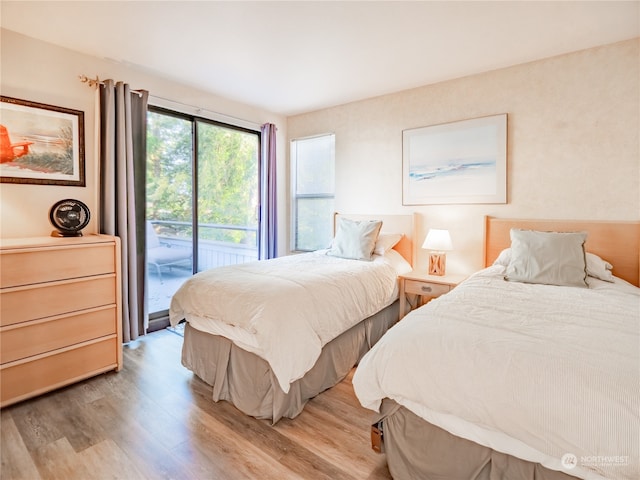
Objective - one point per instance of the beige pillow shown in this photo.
(355, 239)
(596, 266)
(550, 258)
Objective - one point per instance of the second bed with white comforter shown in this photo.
(544, 373)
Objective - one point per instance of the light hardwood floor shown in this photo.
(155, 419)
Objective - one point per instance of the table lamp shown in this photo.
(438, 241)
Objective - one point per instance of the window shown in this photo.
(202, 199)
(313, 186)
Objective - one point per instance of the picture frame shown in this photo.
(461, 162)
(41, 144)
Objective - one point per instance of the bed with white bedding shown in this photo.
(269, 335)
(517, 378)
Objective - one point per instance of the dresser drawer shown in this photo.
(38, 265)
(425, 288)
(24, 379)
(41, 336)
(21, 304)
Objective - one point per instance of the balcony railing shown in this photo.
(212, 253)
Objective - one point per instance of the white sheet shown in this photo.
(539, 372)
(286, 309)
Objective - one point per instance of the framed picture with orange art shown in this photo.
(41, 144)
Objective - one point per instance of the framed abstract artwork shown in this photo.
(41, 144)
(459, 162)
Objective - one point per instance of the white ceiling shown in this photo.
(297, 56)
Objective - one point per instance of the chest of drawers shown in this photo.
(60, 312)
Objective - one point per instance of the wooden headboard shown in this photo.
(406, 224)
(616, 242)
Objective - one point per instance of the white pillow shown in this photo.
(599, 268)
(549, 258)
(504, 258)
(386, 241)
(355, 239)
(596, 266)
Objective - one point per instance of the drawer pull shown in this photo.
(424, 288)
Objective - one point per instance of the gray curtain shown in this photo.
(123, 145)
(268, 238)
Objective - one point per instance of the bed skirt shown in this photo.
(416, 449)
(246, 380)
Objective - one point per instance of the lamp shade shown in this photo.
(438, 240)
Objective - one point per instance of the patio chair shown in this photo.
(162, 255)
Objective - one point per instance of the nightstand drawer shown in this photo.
(425, 288)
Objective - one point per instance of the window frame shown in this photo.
(293, 162)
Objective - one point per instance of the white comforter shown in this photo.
(539, 372)
(286, 309)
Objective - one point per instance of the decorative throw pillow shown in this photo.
(550, 258)
(355, 239)
(386, 241)
(596, 266)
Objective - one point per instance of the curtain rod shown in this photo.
(95, 82)
(199, 110)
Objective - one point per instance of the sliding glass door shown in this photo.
(227, 195)
(202, 200)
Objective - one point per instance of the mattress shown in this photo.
(546, 374)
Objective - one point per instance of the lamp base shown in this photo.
(437, 263)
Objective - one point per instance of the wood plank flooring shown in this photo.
(156, 420)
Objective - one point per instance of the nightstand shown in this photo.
(425, 286)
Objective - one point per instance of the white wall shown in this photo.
(573, 143)
(41, 72)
